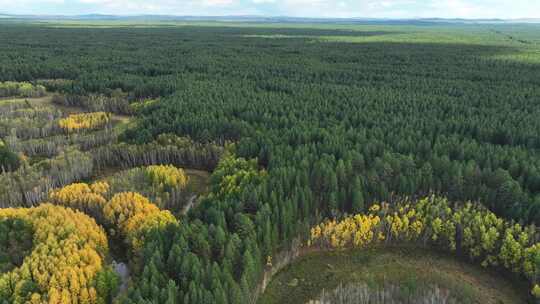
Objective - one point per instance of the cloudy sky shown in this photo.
(298, 8)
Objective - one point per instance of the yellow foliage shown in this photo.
(125, 205)
(100, 188)
(357, 231)
(366, 229)
(139, 225)
(68, 246)
(485, 237)
(71, 246)
(84, 121)
(531, 256)
(134, 215)
(536, 291)
(80, 196)
(167, 176)
(129, 213)
(375, 208)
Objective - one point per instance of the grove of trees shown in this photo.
(468, 230)
(319, 129)
(9, 161)
(21, 89)
(84, 121)
(67, 256)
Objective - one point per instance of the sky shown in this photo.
(506, 9)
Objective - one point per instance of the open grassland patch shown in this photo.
(411, 269)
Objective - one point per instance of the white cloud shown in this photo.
(218, 2)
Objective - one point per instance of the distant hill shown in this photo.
(269, 19)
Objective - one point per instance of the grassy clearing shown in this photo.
(412, 269)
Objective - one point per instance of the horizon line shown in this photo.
(262, 16)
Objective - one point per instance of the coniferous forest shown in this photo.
(198, 155)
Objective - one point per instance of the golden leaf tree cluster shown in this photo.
(67, 255)
(469, 229)
(362, 230)
(83, 197)
(134, 215)
(167, 177)
(84, 121)
(127, 214)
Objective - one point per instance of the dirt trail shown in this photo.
(189, 205)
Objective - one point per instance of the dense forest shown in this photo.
(297, 125)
